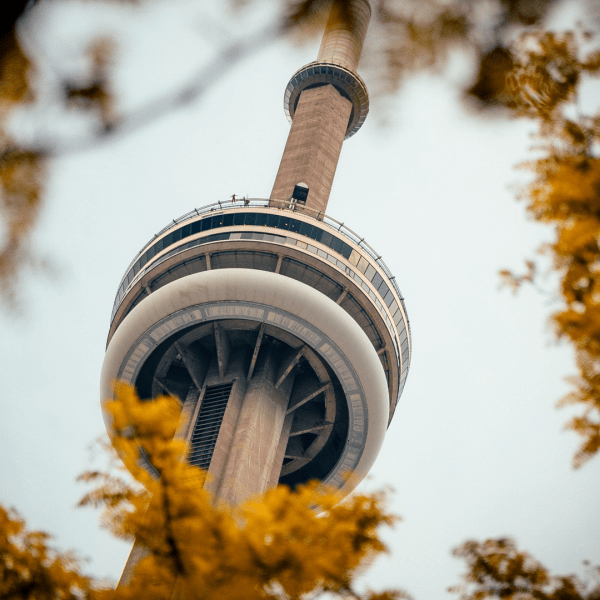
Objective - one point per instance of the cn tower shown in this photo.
(281, 332)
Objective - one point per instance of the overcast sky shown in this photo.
(476, 448)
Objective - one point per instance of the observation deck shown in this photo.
(246, 252)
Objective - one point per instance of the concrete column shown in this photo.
(257, 443)
(314, 144)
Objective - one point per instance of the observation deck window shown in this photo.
(261, 219)
(326, 239)
(377, 281)
(388, 298)
(306, 229)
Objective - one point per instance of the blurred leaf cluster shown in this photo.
(565, 194)
(275, 547)
(498, 570)
(30, 568)
(287, 545)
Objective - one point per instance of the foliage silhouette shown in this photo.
(497, 570)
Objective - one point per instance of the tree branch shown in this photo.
(155, 109)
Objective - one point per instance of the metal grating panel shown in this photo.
(208, 424)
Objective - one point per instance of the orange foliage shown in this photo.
(30, 568)
(271, 547)
(496, 569)
(565, 194)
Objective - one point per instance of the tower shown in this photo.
(282, 334)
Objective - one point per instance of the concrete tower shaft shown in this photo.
(345, 34)
(313, 148)
(326, 101)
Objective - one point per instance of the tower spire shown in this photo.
(326, 102)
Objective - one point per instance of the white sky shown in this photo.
(476, 448)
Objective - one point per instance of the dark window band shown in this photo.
(240, 218)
